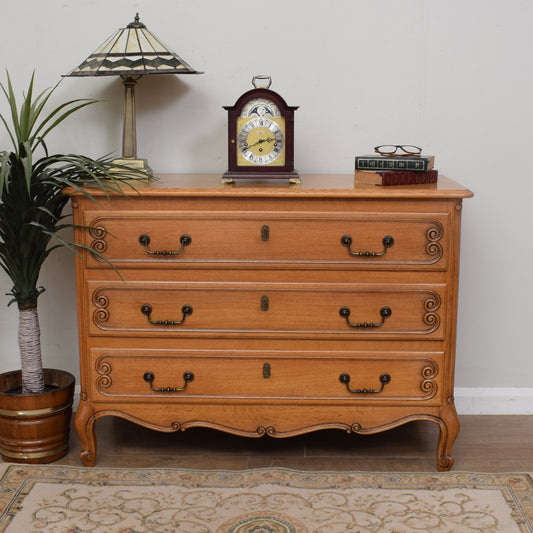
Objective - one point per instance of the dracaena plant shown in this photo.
(32, 202)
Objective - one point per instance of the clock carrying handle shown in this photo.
(262, 77)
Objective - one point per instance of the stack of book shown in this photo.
(395, 170)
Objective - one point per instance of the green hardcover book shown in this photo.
(380, 162)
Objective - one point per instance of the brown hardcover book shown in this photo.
(398, 177)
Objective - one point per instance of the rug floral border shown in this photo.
(16, 481)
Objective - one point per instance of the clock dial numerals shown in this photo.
(260, 107)
(261, 141)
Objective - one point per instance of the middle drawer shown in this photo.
(215, 309)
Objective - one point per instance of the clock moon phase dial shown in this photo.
(260, 107)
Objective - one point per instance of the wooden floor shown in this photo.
(485, 444)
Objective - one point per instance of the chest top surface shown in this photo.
(312, 186)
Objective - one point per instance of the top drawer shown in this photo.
(267, 240)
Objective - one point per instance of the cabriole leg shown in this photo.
(84, 424)
(449, 428)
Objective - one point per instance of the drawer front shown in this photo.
(176, 309)
(256, 240)
(189, 378)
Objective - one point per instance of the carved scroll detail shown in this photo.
(434, 235)
(270, 431)
(431, 306)
(98, 244)
(428, 385)
(101, 302)
(104, 369)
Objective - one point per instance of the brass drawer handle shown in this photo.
(186, 311)
(385, 313)
(384, 379)
(144, 240)
(187, 377)
(346, 241)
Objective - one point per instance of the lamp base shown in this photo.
(136, 165)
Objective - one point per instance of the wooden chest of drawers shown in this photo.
(259, 309)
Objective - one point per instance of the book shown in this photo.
(381, 162)
(392, 177)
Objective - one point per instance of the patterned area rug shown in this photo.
(71, 499)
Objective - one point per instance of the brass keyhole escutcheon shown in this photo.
(266, 370)
(265, 303)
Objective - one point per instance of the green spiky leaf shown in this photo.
(32, 184)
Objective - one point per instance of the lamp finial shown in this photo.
(136, 23)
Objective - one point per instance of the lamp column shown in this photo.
(129, 134)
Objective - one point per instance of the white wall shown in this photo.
(454, 77)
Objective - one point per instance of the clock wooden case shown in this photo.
(261, 137)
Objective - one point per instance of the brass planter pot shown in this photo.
(35, 428)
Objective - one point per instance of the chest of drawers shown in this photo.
(269, 310)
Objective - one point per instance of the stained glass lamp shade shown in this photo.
(130, 53)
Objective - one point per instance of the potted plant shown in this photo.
(36, 403)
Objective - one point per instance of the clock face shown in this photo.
(260, 140)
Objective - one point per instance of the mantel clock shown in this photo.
(261, 136)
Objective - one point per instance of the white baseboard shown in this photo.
(473, 400)
(494, 400)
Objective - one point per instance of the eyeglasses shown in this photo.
(391, 149)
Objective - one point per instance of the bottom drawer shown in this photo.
(208, 377)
